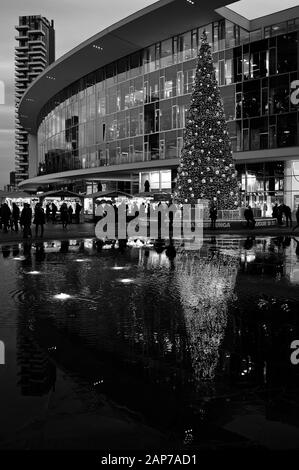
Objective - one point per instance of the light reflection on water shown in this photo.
(197, 342)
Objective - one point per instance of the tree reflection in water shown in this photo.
(206, 285)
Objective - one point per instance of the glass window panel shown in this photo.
(259, 134)
(166, 53)
(228, 95)
(279, 94)
(171, 144)
(287, 55)
(251, 99)
(287, 130)
(165, 115)
(228, 71)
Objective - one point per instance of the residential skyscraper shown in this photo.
(34, 52)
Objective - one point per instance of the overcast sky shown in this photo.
(75, 20)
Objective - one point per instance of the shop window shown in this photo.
(165, 179)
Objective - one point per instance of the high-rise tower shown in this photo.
(34, 52)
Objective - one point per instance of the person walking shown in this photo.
(5, 216)
(15, 217)
(39, 219)
(70, 211)
(64, 215)
(297, 219)
(213, 216)
(54, 212)
(26, 220)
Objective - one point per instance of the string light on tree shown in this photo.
(206, 162)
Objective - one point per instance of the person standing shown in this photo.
(5, 216)
(77, 212)
(280, 214)
(288, 215)
(70, 211)
(54, 212)
(26, 220)
(213, 216)
(146, 186)
(39, 219)
(48, 212)
(64, 215)
(15, 217)
(248, 214)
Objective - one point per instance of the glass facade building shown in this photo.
(133, 110)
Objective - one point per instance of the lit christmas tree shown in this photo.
(206, 168)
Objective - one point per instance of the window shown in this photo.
(171, 144)
(286, 130)
(180, 83)
(165, 179)
(228, 95)
(258, 134)
(251, 98)
(228, 71)
(287, 53)
(166, 115)
(166, 53)
(175, 116)
(279, 94)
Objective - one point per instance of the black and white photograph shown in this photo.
(149, 232)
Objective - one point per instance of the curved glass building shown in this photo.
(111, 112)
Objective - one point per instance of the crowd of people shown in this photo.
(14, 220)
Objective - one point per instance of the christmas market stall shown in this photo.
(101, 197)
(54, 199)
(19, 198)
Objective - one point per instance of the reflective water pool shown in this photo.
(108, 348)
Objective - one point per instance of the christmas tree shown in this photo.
(206, 169)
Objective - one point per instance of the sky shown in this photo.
(75, 21)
